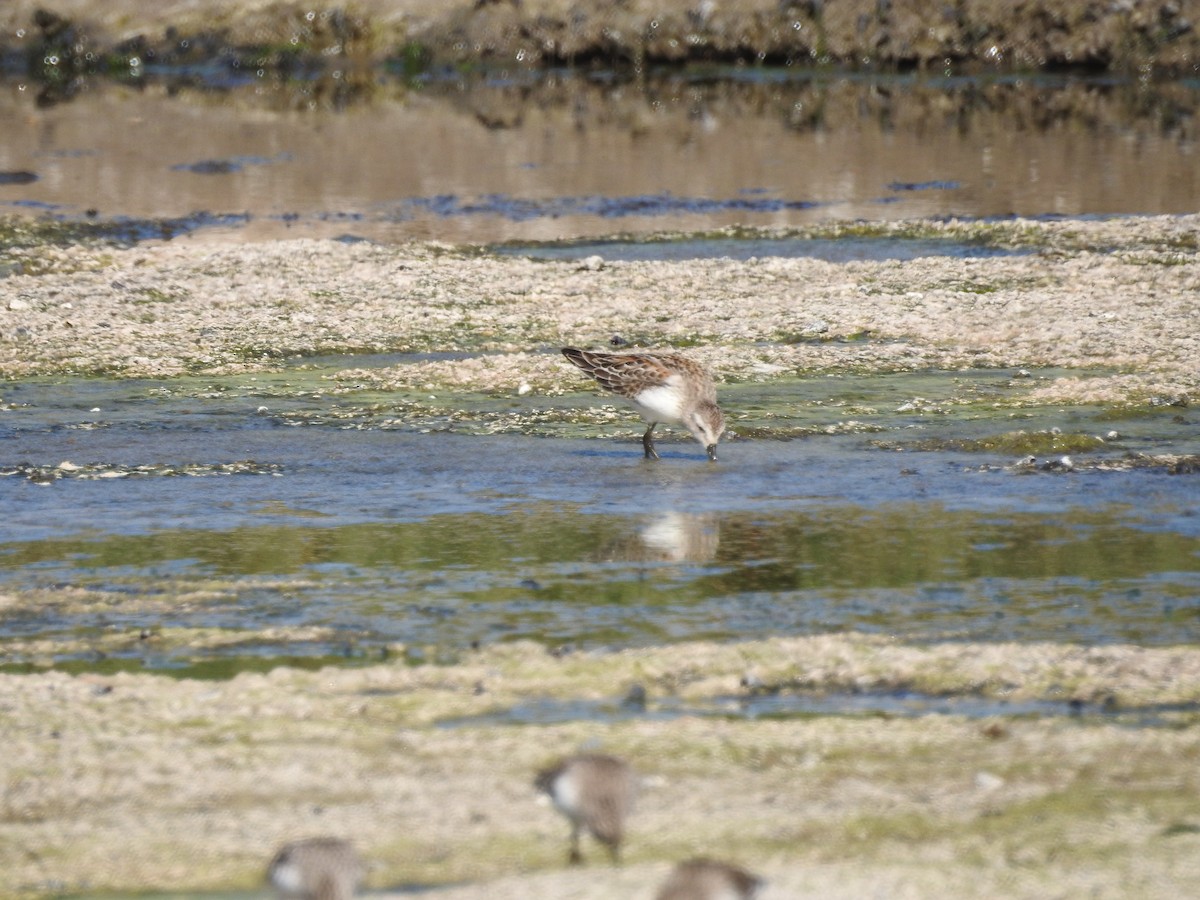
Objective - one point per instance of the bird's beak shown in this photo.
(712, 452)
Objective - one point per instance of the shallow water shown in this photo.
(193, 531)
(842, 249)
(574, 154)
(793, 705)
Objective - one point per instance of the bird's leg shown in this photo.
(648, 442)
(574, 857)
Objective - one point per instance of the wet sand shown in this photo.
(142, 782)
(138, 782)
(1117, 295)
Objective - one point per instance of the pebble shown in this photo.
(986, 781)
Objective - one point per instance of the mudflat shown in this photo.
(1116, 294)
(142, 782)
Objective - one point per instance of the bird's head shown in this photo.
(707, 423)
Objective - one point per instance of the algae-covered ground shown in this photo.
(140, 782)
(145, 782)
(1115, 294)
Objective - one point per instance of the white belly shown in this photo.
(288, 878)
(658, 404)
(565, 794)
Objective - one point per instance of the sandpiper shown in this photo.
(663, 387)
(316, 869)
(708, 879)
(594, 791)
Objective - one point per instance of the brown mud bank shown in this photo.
(63, 37)
(146, 783)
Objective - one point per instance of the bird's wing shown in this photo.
(627, 374)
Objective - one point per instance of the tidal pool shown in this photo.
(842, 249)
(188, 530)
(583, 153)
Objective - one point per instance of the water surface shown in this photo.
(842, 249)
(190, 531)
(575, 154)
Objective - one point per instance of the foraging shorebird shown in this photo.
(594, 791)
(663, 387)
(316, 869)
(708, 879)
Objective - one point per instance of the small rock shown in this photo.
(994, 731)
(17, 304)
(986, 781)
(591, 264)
(1063, 464)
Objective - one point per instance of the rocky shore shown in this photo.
(57, 39)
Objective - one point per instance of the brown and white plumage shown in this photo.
(323, 868)
(594, 791)
(708, 879)
(663, 387)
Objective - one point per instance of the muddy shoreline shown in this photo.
(142, 782)
(138, 782)
(65, 38)
(1115, 294)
